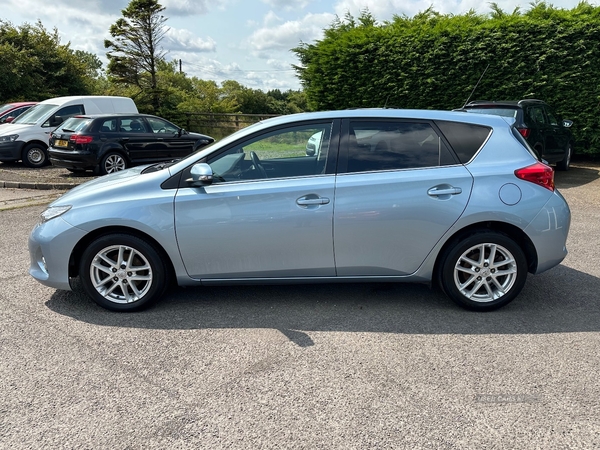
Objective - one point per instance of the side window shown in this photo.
(395, 145)
(537, 115)
(132, 125)
(109, 126)
(551, 117)
(65, 113)
(289, 152)
(161, 126)
(465, 138)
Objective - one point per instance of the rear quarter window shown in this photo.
(465, 138)
(524, 143)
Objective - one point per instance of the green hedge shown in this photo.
(434, 61)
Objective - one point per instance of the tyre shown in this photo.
(34, 156)
(123, 272)
(565, 164)
(112, 162)
(483, 272)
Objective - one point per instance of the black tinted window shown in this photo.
(465, 138)
(394, 145)
(108, 126)
(66, 112)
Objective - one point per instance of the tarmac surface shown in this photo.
(21, 186)
(357, 366)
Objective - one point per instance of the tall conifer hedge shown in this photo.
(433, 61)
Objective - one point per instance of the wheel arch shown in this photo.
(77, 252)
(35, 141)
(112, 148)
(515, 233)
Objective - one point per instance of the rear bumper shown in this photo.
(548, 232)
(72, 160)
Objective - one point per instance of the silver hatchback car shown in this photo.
(454, 199)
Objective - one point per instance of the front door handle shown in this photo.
(310, 200)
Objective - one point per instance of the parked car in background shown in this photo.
(26, 138)
(538, 123)
(10, 111)
(441, 197)
(110, 143)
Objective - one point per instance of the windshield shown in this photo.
(35, 113)
(504, 112)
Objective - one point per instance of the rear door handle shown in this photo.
(437, 191)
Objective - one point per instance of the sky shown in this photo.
(249, 41)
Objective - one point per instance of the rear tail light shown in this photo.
(525, 132)
(81, 139)
(538, 173)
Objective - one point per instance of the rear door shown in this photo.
(398, 191)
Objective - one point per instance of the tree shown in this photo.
(134, 52)
(34, 65)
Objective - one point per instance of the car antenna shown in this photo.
(476, 84)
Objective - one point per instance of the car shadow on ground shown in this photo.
(579, 174)
(558, 301)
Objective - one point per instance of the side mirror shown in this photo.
(202, 175)
(9, 119)
(567, 123)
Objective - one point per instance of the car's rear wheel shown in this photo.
(123, 272)
(565, 164)
(34, 156)
(112, 162)
(483, 272)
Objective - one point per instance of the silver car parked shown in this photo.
(441, 197)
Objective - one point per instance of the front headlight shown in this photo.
(54, 211)
(10, 138)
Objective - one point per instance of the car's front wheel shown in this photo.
(123, 272)
(484, 271)
(34, 156)
(112, 162)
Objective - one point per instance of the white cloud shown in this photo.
(289, 34)
(191, 7)
(186, 41)
(385, 9)
(287, 4)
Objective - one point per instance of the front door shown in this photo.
(254, 223)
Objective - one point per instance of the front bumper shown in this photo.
(11, 151)
(50, 247)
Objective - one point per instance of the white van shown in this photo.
(26, 138)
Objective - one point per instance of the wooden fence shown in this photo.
(219, 125)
